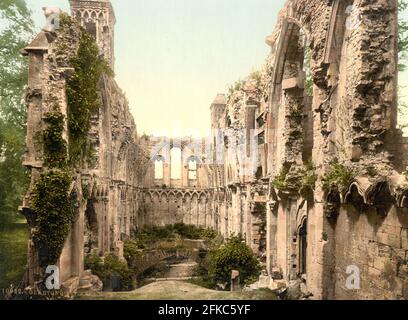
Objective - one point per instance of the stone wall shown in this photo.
(304, 158)
(105, 187)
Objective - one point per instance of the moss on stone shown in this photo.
(296, 178)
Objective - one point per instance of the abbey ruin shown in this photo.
(304, 160)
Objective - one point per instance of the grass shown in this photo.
(13, 254)
(179, 290)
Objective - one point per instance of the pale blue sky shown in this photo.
(174, 56)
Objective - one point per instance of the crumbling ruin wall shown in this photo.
(304, 158)
(329, 153)
(169, 199)
(102, 177)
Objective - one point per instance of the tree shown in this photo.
(17, 29)
(402, 36)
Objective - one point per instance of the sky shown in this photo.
(174, 56)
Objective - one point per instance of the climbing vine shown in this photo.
(83, 96)
(55, 147)
(54, 214)
(52, 205)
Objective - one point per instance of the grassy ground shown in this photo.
(13, 254)
(178, 290)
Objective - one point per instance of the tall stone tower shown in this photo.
(98, 17)
(217, 126)
(217, 111)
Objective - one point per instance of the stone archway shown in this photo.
(91, 228)
(302, 237)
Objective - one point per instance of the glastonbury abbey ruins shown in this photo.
(304, 159)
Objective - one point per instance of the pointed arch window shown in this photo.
(192, 168)
(175, 154)
(159, 168)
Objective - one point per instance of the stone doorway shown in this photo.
(303, 248)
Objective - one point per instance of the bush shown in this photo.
(130, 250)
(145, 237)
(109, 269)
(150, 235)
(234, 255)
(339, 176)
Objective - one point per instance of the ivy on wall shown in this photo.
(54, 214)
(55, 147)
(51, 202)
(83, 96)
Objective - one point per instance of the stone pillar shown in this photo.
(235, 281)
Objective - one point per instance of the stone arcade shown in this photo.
(328, 91)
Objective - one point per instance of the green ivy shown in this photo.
(52, 205)
(55, 147)
(83, 95)
(54, 214)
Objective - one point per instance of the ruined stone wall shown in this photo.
(329, 154)
(186, 199)
(304, 158)
(378, 247)
(105, 182)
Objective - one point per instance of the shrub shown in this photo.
(130, 250)
(234, 255)
(339, 176)
(150, 235)
(108, 269)
(143, 238)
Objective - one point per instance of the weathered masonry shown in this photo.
(305, 159)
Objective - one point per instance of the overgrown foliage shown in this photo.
(235, 87)
(83, 96)
(233, 255)
(113, 272)
(298, 179)
(339, 176)
(52, 206)
(15, 31)
(54, 214)
(149, 235)
(402, 35)
(55, 147)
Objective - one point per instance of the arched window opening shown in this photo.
(175, 155)
(192, 169)
(159, 169)
(307, 56)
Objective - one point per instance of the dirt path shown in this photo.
(178, 290)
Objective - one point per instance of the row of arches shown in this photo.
(176, 164)
(178, 206)
(89, 15)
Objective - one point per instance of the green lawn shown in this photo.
(13, 254)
